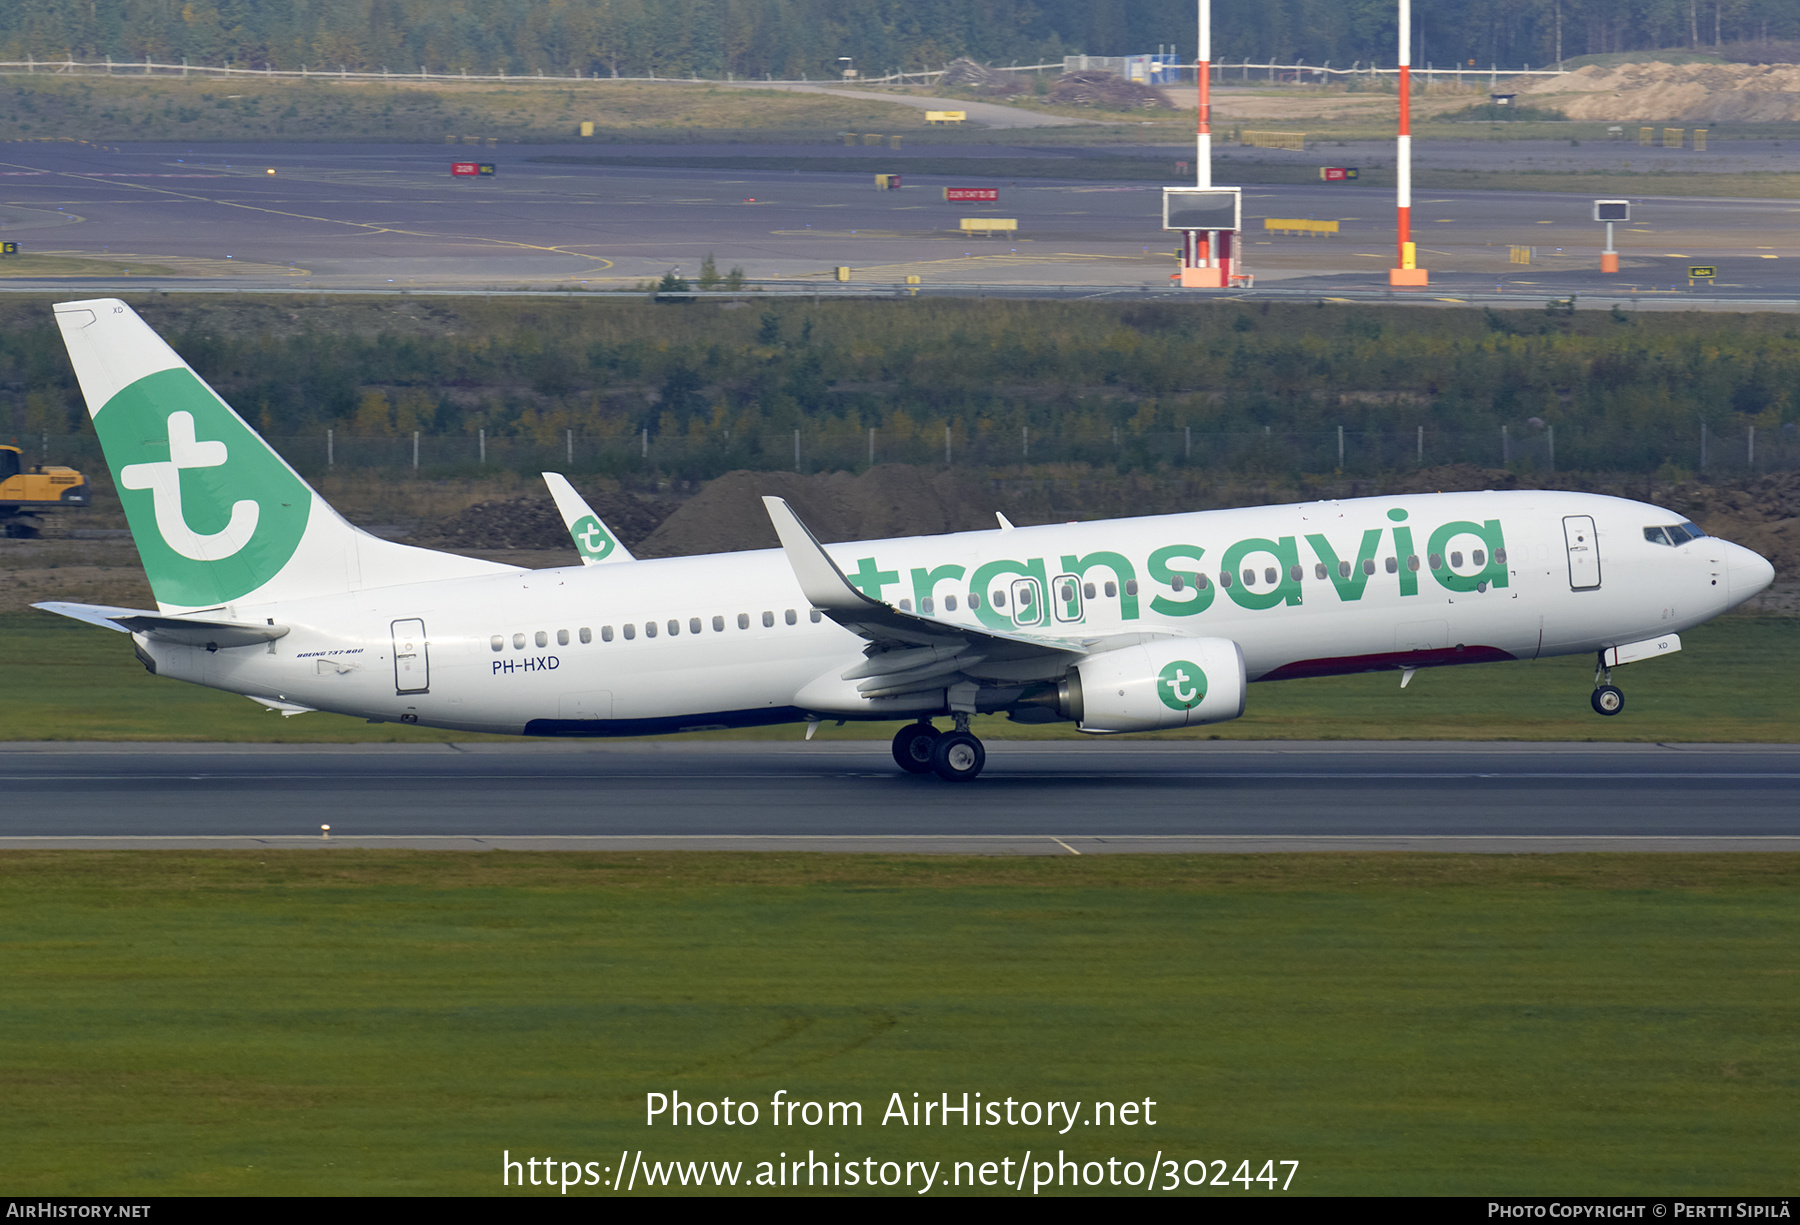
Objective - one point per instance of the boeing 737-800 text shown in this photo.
(262, 589)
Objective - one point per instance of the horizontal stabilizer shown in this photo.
(185, 631)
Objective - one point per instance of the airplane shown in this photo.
(1124, 625)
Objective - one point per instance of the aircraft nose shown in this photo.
(1747, 573)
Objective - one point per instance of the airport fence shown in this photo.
(1242, 70)
(702, 456)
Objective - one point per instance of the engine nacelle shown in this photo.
(1171, 682)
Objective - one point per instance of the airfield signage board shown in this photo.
(971, 195)
(1203, 208)
(1612, 210)
(471, 169)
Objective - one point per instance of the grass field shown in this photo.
(389, 1022)
(1733, 681)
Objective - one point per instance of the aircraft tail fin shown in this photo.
(218, 517)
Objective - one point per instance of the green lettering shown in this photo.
(1409, 578)
(981, 585)
(1494, 573)
(1122, 570)
(925, 581)
(1162, 572)
(1285, 551)
(1348, 588)
(869, 580)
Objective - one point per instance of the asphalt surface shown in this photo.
(336, 217)
(1034, 796)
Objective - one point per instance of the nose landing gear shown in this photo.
(955, 756)
(1608, 699)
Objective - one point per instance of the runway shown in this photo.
(390, 217)
(1035, 797)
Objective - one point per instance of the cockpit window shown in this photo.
(1673, 534)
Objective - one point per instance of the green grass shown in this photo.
(310, 1022)
(1731, 682)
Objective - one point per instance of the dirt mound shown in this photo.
(533, 523)
(1701, 93)
(727, 515)
(1104, 89)
(965, 73)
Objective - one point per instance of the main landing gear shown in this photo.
(955, 756)
(1608, 699)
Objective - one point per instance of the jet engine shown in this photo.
(1171, 682)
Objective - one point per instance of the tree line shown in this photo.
(1629, 392)
(812, 38)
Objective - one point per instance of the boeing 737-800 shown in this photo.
(262, 589)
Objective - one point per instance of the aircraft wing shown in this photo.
(594, 541)
(889, 629)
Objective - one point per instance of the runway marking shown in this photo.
(358, 225)
(1065, 846)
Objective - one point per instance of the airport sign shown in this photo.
(971, 195)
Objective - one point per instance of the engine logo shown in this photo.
(1181, 685)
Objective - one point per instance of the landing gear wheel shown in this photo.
(913, 745)
(1608, 700)
(958, 757)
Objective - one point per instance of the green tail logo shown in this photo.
(591, 539)
(215, 513)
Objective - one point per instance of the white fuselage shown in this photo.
(1498, 575)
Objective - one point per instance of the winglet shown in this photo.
(594, 541)
(820, 579)
(1006, 524)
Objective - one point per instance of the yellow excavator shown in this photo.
(27, 493)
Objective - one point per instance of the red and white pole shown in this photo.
(1407, 272)
(1203, 78)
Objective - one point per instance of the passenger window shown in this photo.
(674, 627)
(587, 635)
(718, 625)
(1456, 560)
(1500, 556)
(1224, 578)
(1319, 570)
(1436, 561)
(1024, 597)
(1368, 565)
(649, 629)
(562, 638)
(768, 620)
(1130, 586)
(1112, 589)
(1249, 577)
(518, 642)
(998, 600)
(1343, 569)
(1067, 595)
(605, 633)
(1393, 565)
(498, 641)
(792, 619)
(1200, 582)
(905, 605)
(743, 621)
(693, 625)
(1087, 589)
(926, 606)
(815, 616)
(1412, 562)
(1296, 573)
(1480, 557)
(1178, 583)
(974, 600)
(1271, 575)
(630, 631)
(949, 603)
(541, 638)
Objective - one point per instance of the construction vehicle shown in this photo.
(25, 493)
